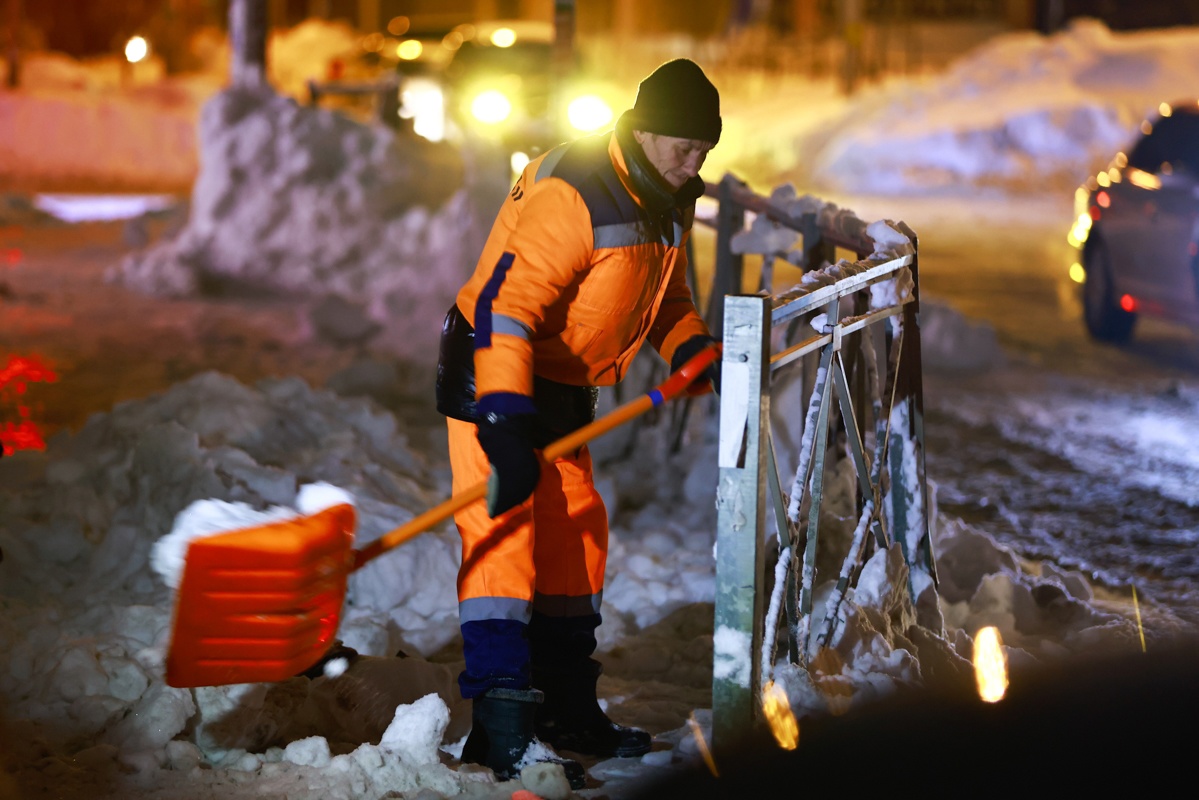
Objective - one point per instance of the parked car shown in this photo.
(1137, 226)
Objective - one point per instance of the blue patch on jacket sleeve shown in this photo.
(486, 297)
(505, 403)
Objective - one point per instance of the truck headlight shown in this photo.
(491, 107)
(588, 113)
(422, 101)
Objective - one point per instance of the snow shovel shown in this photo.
(262, 604)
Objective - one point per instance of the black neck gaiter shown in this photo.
(654, 192)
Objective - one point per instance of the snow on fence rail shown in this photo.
(858, 309)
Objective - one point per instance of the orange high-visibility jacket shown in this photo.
(575, 275)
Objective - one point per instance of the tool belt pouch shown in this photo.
(561, 408)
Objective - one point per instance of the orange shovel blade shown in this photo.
(261, 604)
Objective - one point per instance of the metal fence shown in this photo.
(845, 318)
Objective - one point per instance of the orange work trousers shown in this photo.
(547, 554)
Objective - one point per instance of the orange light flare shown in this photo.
(990, 665)
(15, 376)
(777, 710)
(702, 743)
(1128, 303)
(11, 257)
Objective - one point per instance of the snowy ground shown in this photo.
(85, 619)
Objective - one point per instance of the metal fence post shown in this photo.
(730, 220)
(909, 501)
(740, 505)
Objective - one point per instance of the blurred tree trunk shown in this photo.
(626, 20)
(851, 31)
(12, 47)
(806, 20)
(1021, 14)
(247, 34)
(368, 15)
(277, 14)
(564, 56)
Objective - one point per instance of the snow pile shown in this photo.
(1021, 112)
(85, 620)
(304, 201)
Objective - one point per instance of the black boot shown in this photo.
(571, 718)
(502, 734)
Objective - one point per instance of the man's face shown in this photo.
(677, 160)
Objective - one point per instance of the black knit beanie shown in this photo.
(677, 99)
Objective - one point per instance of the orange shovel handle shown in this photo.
(667, 390)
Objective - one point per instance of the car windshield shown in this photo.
(532, 58)
(1174, 140)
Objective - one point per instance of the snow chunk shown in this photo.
(416, 730)
(316, 497)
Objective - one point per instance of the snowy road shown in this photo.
(1070, 451)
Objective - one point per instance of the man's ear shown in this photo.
(641, 136)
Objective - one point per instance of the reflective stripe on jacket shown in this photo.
(575, 275)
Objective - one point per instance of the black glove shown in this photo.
(691, 348)
(515, 467)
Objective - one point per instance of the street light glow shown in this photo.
(503, 37)
(136, 49)
(409, 49)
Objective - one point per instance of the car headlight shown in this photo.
(491, 107)
(422, 101)
(1077, 236)
(588, 113)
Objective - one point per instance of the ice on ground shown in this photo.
(87, 630)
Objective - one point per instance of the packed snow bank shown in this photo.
(142, 138)
(1022, 112)
(106, 123)
(306, 202)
